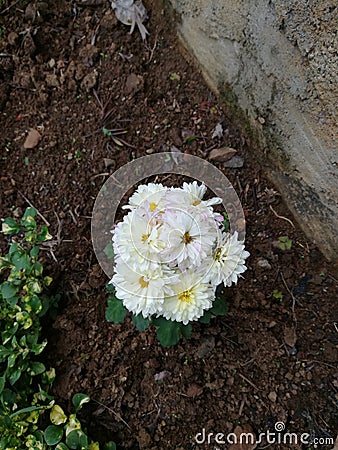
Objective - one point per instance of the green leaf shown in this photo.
(36, 368)
(77, 439)
(43, 235)
(34, 251)
(109, 251)
(2, 383)
(79, 400)
(115, 311)
(57, 415)
(94, 446)
(140, 322)
(53, 434)
(186, 330)
(110, 287)
(30, 212)
(27, 410)
(168, 331)
(15, 376)
(109, 446)
(8, 290)
(13, 248)
(10, 226)
(206, 317)
(61, 446)
(8, 396)
(21, 261)
(219, 307)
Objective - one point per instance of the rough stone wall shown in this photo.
(280, 59)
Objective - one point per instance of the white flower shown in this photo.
(149, 197)
(138, 239)
(190, 300)
(227, 262)
(188, 240)
(197, 193)
(170, 253)
(191, 195)
(142, 292)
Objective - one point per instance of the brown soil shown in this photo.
(68, 69)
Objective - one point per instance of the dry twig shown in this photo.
(32, 206)
(281, 217)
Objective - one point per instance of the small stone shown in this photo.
(230, 380)
(134, 83)
(52, 80)
(272, 397)
(207, 345)
(309, 376)
(194, 390)
(144, 439)
(30, 11)
(234, 163)
(12, 38)
(51, 63)
(250, 441)
(32, 139)
(89, 80)
(222, 154)
(109, 162)
(290, 336)
(264, 264)
(261, 120)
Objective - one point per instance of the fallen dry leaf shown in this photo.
(32, 139)
(290, 336)
(248, 437)
(222, 154)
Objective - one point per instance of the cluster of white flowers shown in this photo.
(171, 253)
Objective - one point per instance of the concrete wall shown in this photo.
(280, 60)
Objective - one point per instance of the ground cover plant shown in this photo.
(25, 381)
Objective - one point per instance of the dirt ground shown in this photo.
(68, 69)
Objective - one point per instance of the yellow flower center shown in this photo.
(217, 254)
(143, 283)
(152, 206)
(187, 238)
(144, 237)
(185, 296)
(196, 202)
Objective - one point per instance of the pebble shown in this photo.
(207, 345)
(32, 139)
(272, 396)
(12, 38)
(234, 163)
(89, 80)
(264, 264)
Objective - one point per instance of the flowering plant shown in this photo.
(171, 251)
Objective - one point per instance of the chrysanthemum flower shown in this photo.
(188, 240)
(227, 262)
(141, 291)
(150, 197)
(190, 300)
(138, 239)
(170, 253)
